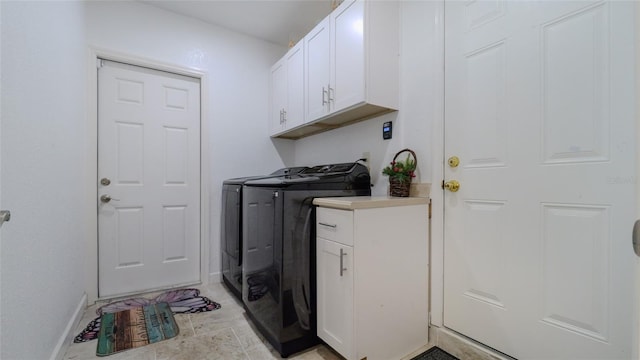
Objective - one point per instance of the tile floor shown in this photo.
(221, 334)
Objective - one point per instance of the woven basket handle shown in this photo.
(415, 158)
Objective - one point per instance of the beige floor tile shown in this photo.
(262, 353)
(319, 352)
(249, 337)
(81, 351)
(214, 321)
(216, 345)
(184, 325)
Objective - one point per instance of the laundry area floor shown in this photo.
(221, 334)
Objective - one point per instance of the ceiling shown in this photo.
(276, 21)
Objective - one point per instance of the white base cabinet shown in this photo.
(372, 278)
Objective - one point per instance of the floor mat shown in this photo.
(435, 353)
(180, 301)
(135, 327)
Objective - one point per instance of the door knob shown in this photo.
(454, 161)
(5, 215)
(452, 185)
(106, 198)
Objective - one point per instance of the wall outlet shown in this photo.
(367, 156)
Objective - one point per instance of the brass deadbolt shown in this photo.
(454, 161)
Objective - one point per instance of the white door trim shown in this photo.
(436, 194)
(91, 265)
(636, 312)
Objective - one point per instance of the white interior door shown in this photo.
(539, 107)
(149, 164)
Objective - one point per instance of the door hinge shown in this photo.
(430, 202)
(99, 63)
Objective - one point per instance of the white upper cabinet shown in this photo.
(278, 96)
(287, 91)
(351, 66)
(347, 82)
(318, 70)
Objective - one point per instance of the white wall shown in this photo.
(237, 68)
(43, 142)
(420, 94)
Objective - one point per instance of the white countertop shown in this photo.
(368, 202)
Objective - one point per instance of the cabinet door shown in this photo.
(294, 114)
(278, 96)
(347, 55)
(335, 296)
(317, 71)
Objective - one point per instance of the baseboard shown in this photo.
(68, 334)
(463, 347)
(214, 278)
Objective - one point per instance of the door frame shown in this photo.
(436, 251)
(91, 221)
(636, 311)
(436, 310)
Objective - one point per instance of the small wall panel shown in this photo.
(479, 13)
(130, 235)
(575, 87)
(175, 232)
(486, 127)
(130, 91)
(130, 160)
(483, 223)
(176, 155)
(176, 99)
(575, 265)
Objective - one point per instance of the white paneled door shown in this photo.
(539, 108)
(148, 179)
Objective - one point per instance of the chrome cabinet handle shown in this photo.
(342, 268)
(324, 102)
(284, 115)
(328, 225)
(329, 93)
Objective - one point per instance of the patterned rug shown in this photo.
(135, 327)
(181, 301)
(435, 353)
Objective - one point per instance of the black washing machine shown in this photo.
(231, 227)
(279, 287)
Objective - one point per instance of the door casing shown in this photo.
(91, 221)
